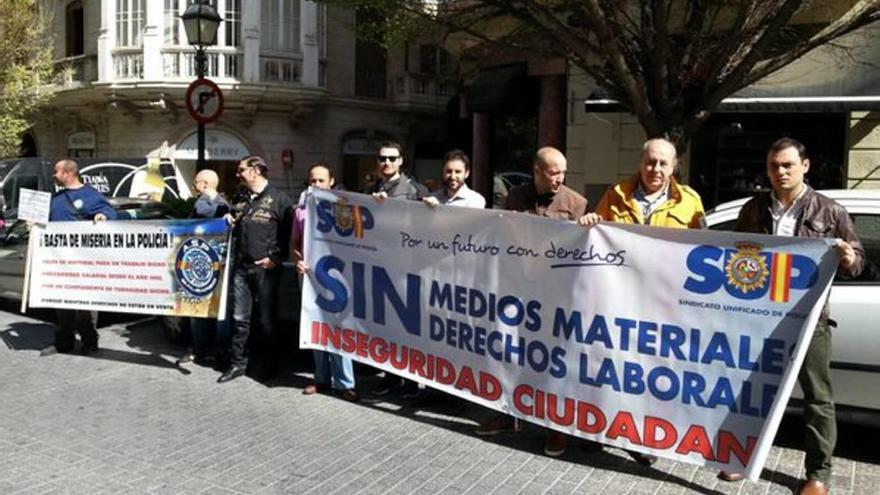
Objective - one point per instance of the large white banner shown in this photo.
(683, 344)
(156, 267)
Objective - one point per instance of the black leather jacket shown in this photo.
(821, 217)
(262, 225)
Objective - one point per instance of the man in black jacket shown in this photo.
(392, 182)
(262, 215)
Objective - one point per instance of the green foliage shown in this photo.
(25, 69)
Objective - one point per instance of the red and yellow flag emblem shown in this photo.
(780, 278)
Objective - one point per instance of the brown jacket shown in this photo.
(566, 204)
(821, 217)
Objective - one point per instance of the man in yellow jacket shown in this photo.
(651, 196)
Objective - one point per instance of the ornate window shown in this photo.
(129, 22)
(280, 26)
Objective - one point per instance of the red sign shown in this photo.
(204, 101)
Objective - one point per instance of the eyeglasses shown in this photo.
(386, 158)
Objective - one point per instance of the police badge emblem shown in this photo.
(342, 215)
(197, 269)
(747, 268)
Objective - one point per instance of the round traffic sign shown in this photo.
(204, 100)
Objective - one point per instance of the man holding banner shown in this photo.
(651, 197)
(263, 217)
(76, 201)
(455, 191)
(546, 196)
(793, 208)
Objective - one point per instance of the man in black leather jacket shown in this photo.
(262, 215)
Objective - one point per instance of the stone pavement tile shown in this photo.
(561, 488)
(866, 483)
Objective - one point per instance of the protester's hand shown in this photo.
(589, 220)
(380, 196)
(301, 267)
(99, 217)
(229, 218)
(431, 201)
(846, 253)
(266, 263)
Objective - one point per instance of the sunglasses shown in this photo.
(386, 158)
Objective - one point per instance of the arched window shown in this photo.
(75, 27)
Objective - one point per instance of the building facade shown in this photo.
(298, 87)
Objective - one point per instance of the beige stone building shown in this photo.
(298, 87)
(829, 99)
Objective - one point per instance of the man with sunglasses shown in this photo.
(392, 182)
(262, 216)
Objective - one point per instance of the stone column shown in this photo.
(152, 40)
(106, 41)
(250, 41)
(481, 168)
(309, 41)
(551, 112)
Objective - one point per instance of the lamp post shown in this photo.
(201, 20)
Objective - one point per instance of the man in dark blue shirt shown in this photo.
(77, 201)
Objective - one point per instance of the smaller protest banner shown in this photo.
(169, 267)
(33, 206)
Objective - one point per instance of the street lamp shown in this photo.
(201, 20)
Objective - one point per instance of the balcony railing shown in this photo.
(222, 63)
(77, 70)
(281, 69)
(422, 88)
(128, 63)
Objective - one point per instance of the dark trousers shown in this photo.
(72, 322)
(254, 290)
(820, 436)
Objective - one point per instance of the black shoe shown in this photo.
(387, 384)
(231, 374)
(642, 459)
(411, 391)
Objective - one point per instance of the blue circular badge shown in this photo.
(197, 268)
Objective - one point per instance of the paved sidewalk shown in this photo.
(127, 420)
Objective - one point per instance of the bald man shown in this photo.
(75, 201)
(545, 196)
(210, 204)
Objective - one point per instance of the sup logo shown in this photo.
(749, 273)
(346, 219)
(197, 269)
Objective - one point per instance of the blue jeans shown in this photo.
(341, 369)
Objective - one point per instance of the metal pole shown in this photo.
(200, 72)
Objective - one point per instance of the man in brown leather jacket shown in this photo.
(795, 209)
